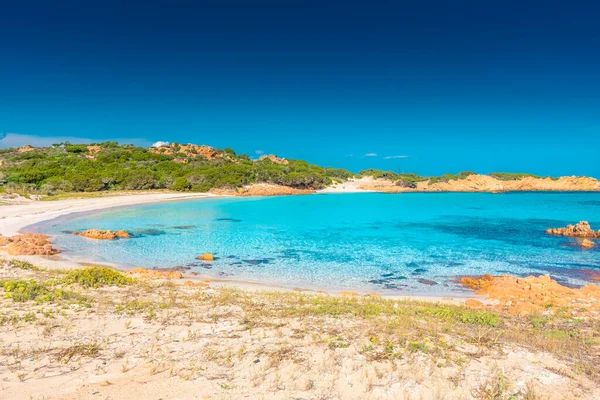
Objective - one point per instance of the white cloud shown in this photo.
(371, 155)
(391, 157)
(160, 144)
(259, 152)
(18, 140)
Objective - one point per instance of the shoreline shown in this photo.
(16, 218)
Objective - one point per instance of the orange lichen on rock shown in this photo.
(144, 273)
(29, 244)
(100, 234)
(581, 229)
(206, 257)
(535, 294)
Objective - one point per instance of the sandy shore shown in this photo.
(15, 217)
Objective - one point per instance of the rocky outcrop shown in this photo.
(4, 240)
(29, 244)
(486, 183)
(274, 159)
(100, 234)
(581, 229)
(189, 150)
(25, 149)
(263, 189)
(535, 295)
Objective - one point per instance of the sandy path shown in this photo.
(15, 217)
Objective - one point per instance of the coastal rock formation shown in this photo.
(29, 244)
(103, 234)
(535, 294)
(486, 183)
(4, 240)
(25, 149)
(581, 229)
(263, 189)
(189, 150)
(274, 159)
(144, 273)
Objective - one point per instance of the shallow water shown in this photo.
(399, 244)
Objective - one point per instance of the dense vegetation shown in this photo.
(67, 167)
(77, 168)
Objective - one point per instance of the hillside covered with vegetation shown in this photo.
(66, 167)
(109, 166)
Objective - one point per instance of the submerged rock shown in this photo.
(581, 229)
(100, 234)
(587, 244)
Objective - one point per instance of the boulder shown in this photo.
(4, 240)
(206, 257)
(100, 234)
(31, 244)
(587, 244)
(581, 229)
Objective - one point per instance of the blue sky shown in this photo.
(450, 86)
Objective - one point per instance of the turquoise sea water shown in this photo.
(407, 243)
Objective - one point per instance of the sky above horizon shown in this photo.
(428, 87)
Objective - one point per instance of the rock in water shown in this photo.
(587, 244)
(103, 234)
(581, 229)
(206, 257)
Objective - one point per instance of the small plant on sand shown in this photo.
(41, 292)
(98, 276)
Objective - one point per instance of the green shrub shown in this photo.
(98, 276)
(41, 292)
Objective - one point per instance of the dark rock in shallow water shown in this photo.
(229, 220)
(224, 274)
(258, 261)
(147, 232)
(184, 227)
(237, 263)
(231, 257)
(387, 275)
(427, 282)
(419, 271)
(412, 265)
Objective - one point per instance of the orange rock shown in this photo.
(30, 244)
(352, 294)
(373, 294)
(587, 244)
(472, 303)
(100, 234)
(322, 292)
(533, 294)
(206, 257)
(4, 240)
(581, 229)
(264, 189)
(274, 159)
(25, 149)
(155, 273)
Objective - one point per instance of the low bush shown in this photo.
(98, 276)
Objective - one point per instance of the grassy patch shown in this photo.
(94, 277)
(31, 290)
